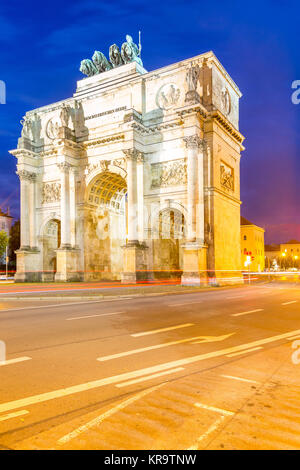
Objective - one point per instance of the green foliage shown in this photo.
(3, 242)
(14, 241)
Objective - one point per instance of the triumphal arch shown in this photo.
(136, 176)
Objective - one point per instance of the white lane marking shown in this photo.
(185, 303)
(244, 352)
(289, 303)
(14, 361)
(211, 429)
(213, 408)
(137, 373)
(202, 339)
(241, 379)
(107, 414)
(59, 305)
(246, 313)
(93, 316)
(235, 297)
(294, 337)
(13, 415)
(149, 377)
(152, 332)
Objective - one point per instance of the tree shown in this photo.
(14, 241)
(3, 242)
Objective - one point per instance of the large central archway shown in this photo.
(105, 226)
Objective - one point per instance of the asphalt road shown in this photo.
(207, 370)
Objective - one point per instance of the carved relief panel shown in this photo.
(226, 176)
(51, 192)
(173, 173)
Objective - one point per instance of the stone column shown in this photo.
(135, 265)
(32, 212)
(28, 256)
(72, 190)
(200, 202)
(140, 196)
(25, 177)
(131, 157)
(192, 144)
(67, 255)
(65, 204)
(194, 250)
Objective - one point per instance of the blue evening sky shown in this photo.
(42, 44)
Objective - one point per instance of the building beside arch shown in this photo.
(136, 176)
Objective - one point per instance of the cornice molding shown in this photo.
(219, 117)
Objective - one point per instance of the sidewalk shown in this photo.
(92, 291)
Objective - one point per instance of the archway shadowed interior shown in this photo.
(105, 226)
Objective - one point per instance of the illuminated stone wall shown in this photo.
(116, 162)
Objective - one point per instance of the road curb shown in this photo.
(117, 297)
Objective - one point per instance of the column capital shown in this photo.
(133, 154)
(26, 175)
(194, 141)
(64, 167)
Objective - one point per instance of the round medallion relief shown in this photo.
(52, 127)
(168, 96)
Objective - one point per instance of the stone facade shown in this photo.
(252, 241)
(136, 176)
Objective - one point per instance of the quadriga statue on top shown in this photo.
(130, 52)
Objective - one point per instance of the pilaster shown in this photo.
(135, 251)
(194, 264)
(28, 256)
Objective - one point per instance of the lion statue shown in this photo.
(87, 67)
(115, 56)
(101, 62)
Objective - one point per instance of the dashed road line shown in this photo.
(160, 330)
(64, 392)
(235, 297)
(240, 379)
(246, 313)
(14, 361)
(244, 352)
(107, 414)
(149, 377)
(67, 304)
(13, 415)
(213, 408)
(289, 303)
(93, 316)
(185, 303)
(210, 430)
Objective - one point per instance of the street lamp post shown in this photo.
(6, 262)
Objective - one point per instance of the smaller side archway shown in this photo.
(166, 246)
(51, 240)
